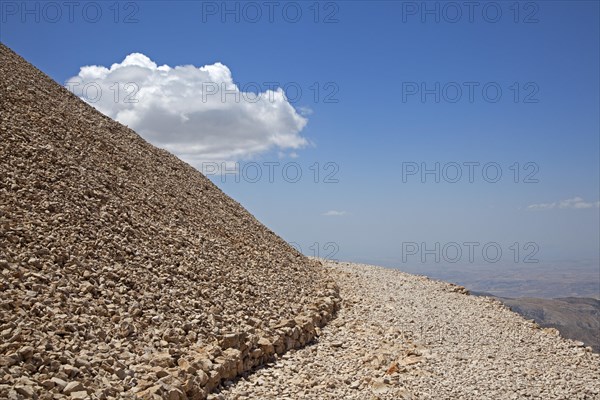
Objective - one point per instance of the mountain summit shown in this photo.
(125, 271)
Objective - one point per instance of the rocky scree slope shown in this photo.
(124, 271)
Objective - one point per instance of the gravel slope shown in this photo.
(123, 270)
(401, 336)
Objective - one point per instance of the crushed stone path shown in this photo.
(402, 336)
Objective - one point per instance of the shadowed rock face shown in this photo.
(122, 265)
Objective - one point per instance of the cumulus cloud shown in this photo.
(334, 213)
(197, 113)
(574, 203)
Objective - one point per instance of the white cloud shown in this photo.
(198, 113)
(334, 213)
(305, 111)
(575, 202)
(283, 155)
(541, 206)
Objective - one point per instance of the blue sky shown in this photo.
(365, 58)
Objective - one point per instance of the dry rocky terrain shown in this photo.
(577, 318)
(402, 336)
(125, 273)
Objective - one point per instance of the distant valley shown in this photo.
(575, 318)
(547, 280)
(565, 296)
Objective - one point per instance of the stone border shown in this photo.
(199, 372)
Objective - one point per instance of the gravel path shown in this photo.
(400, 336)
